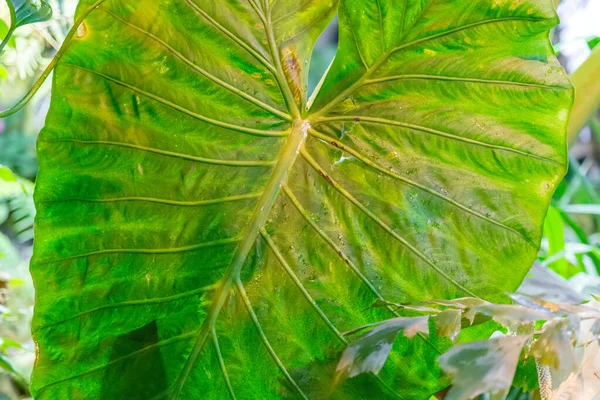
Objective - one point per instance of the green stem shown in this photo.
(587, 94)
(11, 30)
(23, 102)
(6, 40)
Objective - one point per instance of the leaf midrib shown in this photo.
(286, 160)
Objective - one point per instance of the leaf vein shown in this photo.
(379, 222)
(300, 286)
(383, 121)
(287, 158)
(289, 14)
(460, 79)
(339, 145)
(159, 201)
(463, 28)
(162, 343)
(145, 251)
(230, 163)
(215, 340)
(242, 129)
(230, 35)
(357, 45)
(257, 10)
(201, 70)
(349, 90)
(311, 301)
(128, 303)
(265, 340)
(381, 31)
(331, 243)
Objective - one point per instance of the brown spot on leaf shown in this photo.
(327, 178)
(292, 68)
(82, 30)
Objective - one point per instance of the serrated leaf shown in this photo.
(30, 11)
(486, 366)
(513, 315)
(541, 305)
(584, 383)
(369, 352)
(194, 218)
(555, 347)
(448, 323)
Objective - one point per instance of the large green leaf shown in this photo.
(201, 234)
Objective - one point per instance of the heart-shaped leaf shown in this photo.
(201, 234)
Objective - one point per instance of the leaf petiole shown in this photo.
(6, 39)
(13, 26)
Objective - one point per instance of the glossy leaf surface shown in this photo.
(201, 235)
(30, 11)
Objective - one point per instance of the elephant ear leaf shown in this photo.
(29, 11)
(204, 231)
(447, 118)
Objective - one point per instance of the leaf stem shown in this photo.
(11, 30)
(40, 81)
(6, 39)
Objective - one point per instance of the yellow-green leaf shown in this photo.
(201, 234)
